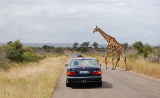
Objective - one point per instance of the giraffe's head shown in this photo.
(95, 29)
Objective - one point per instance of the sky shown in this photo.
(69, 21)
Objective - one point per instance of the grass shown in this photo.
(37, 80)
(145, 67)
(135, 64)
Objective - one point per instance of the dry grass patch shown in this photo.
(36, 80)
(142, 66)
(138, 65)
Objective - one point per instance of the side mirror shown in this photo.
(66, 65)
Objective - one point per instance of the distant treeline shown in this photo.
(82, 47)
(141, 49)
(136, 49)
(16, 51)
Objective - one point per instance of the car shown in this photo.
(76, 55)
(83, 70)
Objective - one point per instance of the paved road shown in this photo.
(116, 84)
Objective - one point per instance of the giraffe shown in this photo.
(114, 48)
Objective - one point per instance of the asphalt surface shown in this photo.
(116, 84)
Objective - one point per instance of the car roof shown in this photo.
(76, 55)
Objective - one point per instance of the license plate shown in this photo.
(84, 72)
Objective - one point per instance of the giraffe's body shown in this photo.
(114, 48)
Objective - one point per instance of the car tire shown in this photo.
(100, 84)
(68, 85)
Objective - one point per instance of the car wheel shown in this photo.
(100, 84)
(68, 85)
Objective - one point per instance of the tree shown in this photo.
(147, 49)
(47, 48)
(125, 45)
(85, 45)
(142, 49)
(138, 46)
(15, 51)
(95, 45)
(75, 45)
(9, 42)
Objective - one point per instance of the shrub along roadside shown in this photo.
(14, 53)
(18, 53)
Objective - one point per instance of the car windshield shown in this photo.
(84, 62)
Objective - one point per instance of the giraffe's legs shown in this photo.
(125, 61)
(113, 63)
(106, 62)
(117, 61)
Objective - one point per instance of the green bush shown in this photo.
(30, 56)
(138, 46)
(15, 55)
(142, 49)
(16, 52)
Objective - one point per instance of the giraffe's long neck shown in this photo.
(110, 40)
(105, 36)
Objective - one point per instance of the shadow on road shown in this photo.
(105, 84)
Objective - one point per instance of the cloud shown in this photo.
(61, 21)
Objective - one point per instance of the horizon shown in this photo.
(40, 44)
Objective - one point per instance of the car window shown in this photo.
(84, 62)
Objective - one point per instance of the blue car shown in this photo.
(83, 70)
